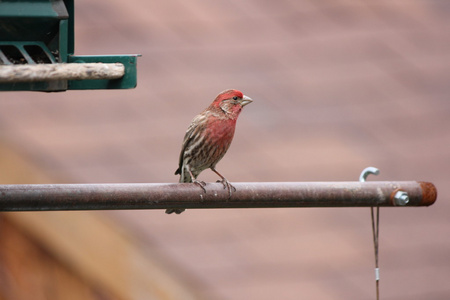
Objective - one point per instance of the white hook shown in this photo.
(366, 172)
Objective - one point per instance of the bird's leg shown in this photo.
(200, 184)
(225, 182)
(197, 182)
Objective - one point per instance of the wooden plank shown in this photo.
(89, 245)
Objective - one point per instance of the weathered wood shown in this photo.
(22, 257)
(71, 71)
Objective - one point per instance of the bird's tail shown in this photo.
(174, 210)
(184, 177)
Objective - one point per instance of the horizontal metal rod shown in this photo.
(71, 71)
(44, 197)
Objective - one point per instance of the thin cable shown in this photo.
(375, 232)
(375, 225)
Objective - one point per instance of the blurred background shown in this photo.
(337, 86)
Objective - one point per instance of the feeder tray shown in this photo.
(37, 33)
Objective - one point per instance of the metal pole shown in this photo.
(44, 197)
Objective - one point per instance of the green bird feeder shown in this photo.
(37, 51)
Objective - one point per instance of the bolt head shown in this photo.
(401, 198)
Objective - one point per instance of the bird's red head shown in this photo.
(231, 102)
(228, 94)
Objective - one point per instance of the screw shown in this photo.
(401, 198)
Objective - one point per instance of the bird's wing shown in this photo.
(188, 138)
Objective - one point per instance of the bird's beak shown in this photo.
(246, 100)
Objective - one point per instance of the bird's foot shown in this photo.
(201, 184)
(227, 185)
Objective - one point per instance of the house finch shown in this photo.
(208, 138)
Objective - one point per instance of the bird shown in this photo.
(208, 138)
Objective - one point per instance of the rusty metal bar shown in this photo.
(45, 197)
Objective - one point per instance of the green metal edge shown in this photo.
(71, 26)
(128, 81)
(34, 9)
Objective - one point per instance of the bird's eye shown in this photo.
(235, 98)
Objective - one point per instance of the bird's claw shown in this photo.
(227, 185)
(201, 184)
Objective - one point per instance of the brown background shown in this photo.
(337, 86)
